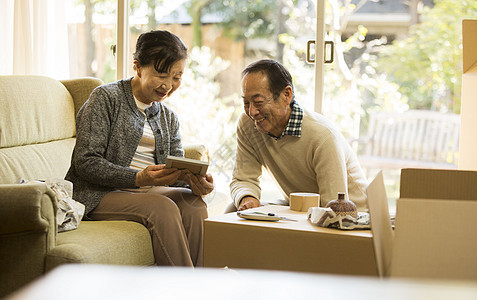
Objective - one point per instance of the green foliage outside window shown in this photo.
(427, 65)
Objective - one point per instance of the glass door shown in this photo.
(394, 85)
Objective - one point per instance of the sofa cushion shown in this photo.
(35, 109)
(36, 162)
(103, 242)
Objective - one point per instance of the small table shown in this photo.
(230, 241)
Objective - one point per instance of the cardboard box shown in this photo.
(435, 226)
(381, 227)
(467, 141)
(233, 242)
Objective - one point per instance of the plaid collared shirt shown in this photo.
(294, 123)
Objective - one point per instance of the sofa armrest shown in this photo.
(80, 89)
(26, 207)
(27, 232)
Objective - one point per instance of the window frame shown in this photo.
(122, 39)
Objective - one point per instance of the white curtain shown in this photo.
(34, 37)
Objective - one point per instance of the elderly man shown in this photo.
(301, 149)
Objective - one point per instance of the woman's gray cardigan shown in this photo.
(109, 127)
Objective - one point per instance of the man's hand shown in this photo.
(157, 175)
(200, 185)
(248, 202)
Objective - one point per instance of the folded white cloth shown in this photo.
(326, 217)
(69, 212)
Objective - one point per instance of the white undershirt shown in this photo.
(145, 152)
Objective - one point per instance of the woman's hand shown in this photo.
(157, 175)
(200, 185)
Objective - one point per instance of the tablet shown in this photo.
(195, 166)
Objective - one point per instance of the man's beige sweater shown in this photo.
(320, 161)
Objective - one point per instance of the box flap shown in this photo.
(435, 238)
(438, 184)
(469, 42)
(472, 71)
(380, 224)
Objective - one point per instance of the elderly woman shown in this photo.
(124, 134)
